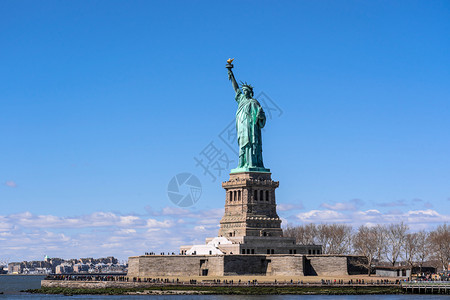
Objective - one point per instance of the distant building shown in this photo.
(37, 271)
(64, 269)
(424, 270)
(15, 268)
(387, 271)
(3, 269)
(80, 268)
(62, 266)
(100, 268)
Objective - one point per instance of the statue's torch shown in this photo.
(229, 64)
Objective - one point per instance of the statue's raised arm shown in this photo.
(250, 119)
(229, 66)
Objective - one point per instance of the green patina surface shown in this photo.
(250, 119)
(250, 169)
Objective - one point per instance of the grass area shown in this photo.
(252, 290)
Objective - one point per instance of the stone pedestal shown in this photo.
(250, 206)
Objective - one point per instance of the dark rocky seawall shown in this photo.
(124, 288)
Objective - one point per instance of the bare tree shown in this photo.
(341, 238)
(396, 234)
(410, 249)
(304, 234)
(334, 238)
(365, 243)
(439, 240)
(323, 238)
(423, 249)
(309, 235)
(380, 233)
(380, 243)
(291, 231)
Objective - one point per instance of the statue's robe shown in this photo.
(250, 118)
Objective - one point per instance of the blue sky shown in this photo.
(103, 102)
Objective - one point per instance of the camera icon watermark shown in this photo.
(184, 189)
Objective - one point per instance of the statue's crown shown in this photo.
(245, 84)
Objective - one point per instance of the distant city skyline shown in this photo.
(104, 102)
(63, 266)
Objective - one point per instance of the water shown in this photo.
(11, 285)
(15, 283)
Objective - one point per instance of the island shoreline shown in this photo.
(225, 290)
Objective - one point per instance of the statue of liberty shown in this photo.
(250, 119)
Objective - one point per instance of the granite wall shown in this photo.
(333, 265)
(244, 265)
(174, 265)
(152, 266)
(286, 265)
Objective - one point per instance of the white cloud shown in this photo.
(394, 203)
(126, 231)
(152, 224)
(339, 206)
(199, 228)
(289, 206)
(4, 224)
(11, 183)
(344, 206)
(322, 216)
(425, 216)
(170, 211)
(97, 219)
(27, 236)
(417, 218)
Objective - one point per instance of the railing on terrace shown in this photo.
(426, 287)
